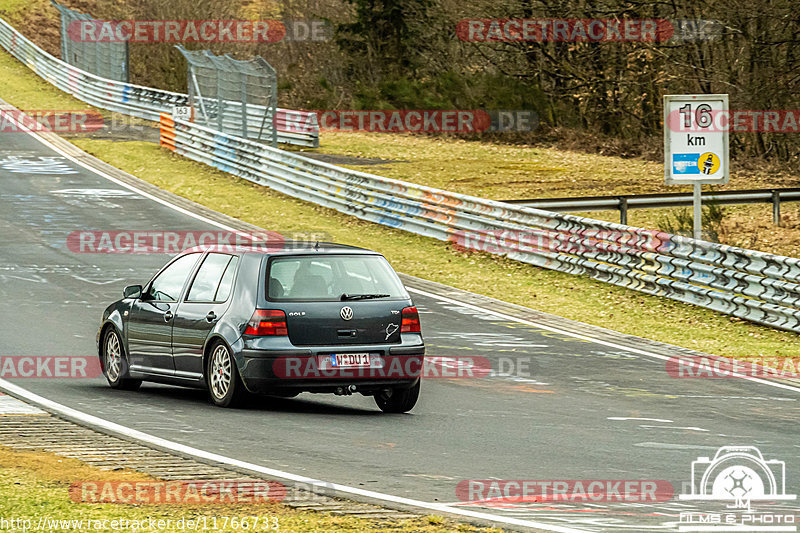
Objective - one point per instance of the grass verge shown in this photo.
(566, 295)
(36, 484)
(504, 171)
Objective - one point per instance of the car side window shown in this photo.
(167, 286)
(214, 279)
(225, 286)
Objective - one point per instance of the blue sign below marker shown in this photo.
(685, 164)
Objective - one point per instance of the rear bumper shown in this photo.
(299, 370)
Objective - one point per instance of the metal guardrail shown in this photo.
(297, 127)
(755, 286)
(625, 202)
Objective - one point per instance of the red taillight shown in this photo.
(267, 322)
(410, 322)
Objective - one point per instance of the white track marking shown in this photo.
(140, 436)
(119, 182)
(418, 291)
(144, 437)
(687, 428)
(157, 441)
(107, 282)
(584, 337)
(642, 419)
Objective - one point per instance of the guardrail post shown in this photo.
(220, 104)
(243, 96)
(776, 207)
(623, 210)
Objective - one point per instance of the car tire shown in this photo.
(225, 387)
(115, 363)
(399, 401)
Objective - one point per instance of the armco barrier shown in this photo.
(625, 202)
(752, 285)
(296, 127)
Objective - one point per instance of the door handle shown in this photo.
(168, 316)
(211, 316)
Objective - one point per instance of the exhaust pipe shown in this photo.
(345, 391)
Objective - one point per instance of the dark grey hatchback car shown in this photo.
(303, 318)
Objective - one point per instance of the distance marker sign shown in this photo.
(696, 139)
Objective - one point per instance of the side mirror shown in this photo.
(132, 291)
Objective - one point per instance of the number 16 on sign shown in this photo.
(696, 144)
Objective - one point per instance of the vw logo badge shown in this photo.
(346, 313)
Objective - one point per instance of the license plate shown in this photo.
(350, 360)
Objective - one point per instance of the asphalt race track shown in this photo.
(568, 409)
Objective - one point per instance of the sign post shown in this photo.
(696, 144)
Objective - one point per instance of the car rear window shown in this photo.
(331, 276)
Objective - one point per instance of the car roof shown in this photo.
(282, 247)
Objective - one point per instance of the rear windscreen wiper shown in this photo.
(346, 296)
